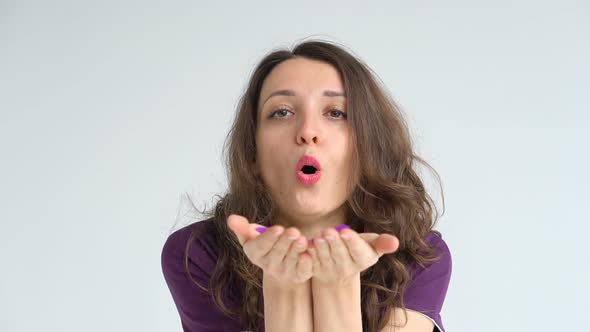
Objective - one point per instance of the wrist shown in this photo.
(351, 281)
(287, 306)
(337, 307)
(271, 283)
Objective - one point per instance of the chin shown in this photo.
(308, 210)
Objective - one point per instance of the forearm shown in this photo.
(337, 307)
(287, 308)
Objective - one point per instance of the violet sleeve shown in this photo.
(197, 311)
(427, 290)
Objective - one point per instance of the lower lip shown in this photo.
(308, 179)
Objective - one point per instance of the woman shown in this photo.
(326, 225)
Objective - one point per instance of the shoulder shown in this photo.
(435, 240)
(183, 272)
(202, 249)
(442, 266)
(428, 284)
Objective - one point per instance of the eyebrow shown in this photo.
(327, 93)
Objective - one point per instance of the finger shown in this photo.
(304, 266)
(360, 251)
(339, 250)
(381, 243)
(298, 262)
(368, 237)
(279, 250)
(313, 253)
(243, 229)
(259, 247)
(385, 243)
(323, 251)
(298, 246)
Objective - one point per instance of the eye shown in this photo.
(337, 112)
(281, 111)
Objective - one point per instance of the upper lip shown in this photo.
(308, 160)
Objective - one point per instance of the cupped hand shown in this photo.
(279, 252)
(339, 256)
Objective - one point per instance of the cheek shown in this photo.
(345, 162)
(346, 151)
(270, 155)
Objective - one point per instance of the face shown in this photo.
(306, 121)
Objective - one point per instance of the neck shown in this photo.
(309, 225)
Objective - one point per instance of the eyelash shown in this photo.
(272, 114)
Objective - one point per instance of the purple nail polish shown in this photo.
(260, 229)
(341, 227)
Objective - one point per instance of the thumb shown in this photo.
(244, 230)
(381, 243)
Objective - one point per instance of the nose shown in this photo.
(308, 131)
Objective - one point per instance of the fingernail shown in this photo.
(260, 229)
(341, 227)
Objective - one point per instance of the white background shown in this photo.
(110, 111)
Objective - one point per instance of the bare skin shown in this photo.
(303, 111)
(339, 256)
(279, 252)
(332, 257)
(287, 272)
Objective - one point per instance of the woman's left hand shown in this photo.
(338, 257)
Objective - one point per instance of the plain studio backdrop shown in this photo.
(111, 111)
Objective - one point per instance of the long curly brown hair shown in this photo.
(389, 196)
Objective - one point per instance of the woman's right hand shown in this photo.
(280, 253)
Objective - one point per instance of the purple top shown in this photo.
(425, 293)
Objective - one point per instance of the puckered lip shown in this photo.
(308, 160)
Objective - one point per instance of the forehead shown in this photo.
(304, 76)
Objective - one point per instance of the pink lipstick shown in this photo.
(308, 170)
